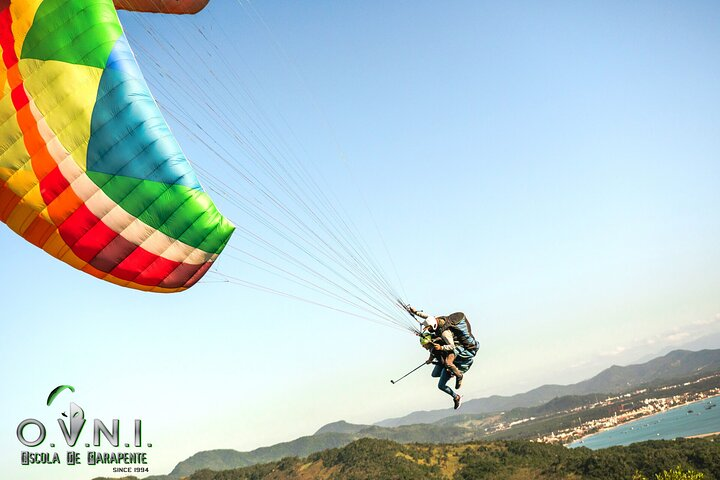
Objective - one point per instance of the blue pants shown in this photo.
(441, 372)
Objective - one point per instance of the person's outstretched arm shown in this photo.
(449, 341)
(418, 313)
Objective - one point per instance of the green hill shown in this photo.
(341, 427)
(226, 459)
(512, 460)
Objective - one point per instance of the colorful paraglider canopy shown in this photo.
(89, 170)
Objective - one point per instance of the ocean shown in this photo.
(689, 420)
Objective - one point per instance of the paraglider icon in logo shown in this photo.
(89, 169)
(57, 391)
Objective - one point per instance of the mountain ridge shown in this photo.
(611, 380)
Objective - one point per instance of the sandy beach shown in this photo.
(703, 435)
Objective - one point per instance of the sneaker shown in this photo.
(458, 381)
(457, 401)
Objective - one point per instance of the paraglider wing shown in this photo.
(89, 170)
(162, 6)
(57, 391)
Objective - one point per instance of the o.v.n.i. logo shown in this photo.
(73, 424)
(31, 432)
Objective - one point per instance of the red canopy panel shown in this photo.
(177, 7)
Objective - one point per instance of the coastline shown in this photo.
(703, 435)
(709, 434)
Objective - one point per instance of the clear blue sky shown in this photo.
(550, 169)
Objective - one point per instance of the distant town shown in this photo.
(611, 411)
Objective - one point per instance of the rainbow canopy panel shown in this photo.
(89, 169)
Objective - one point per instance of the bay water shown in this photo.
(696, 418)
